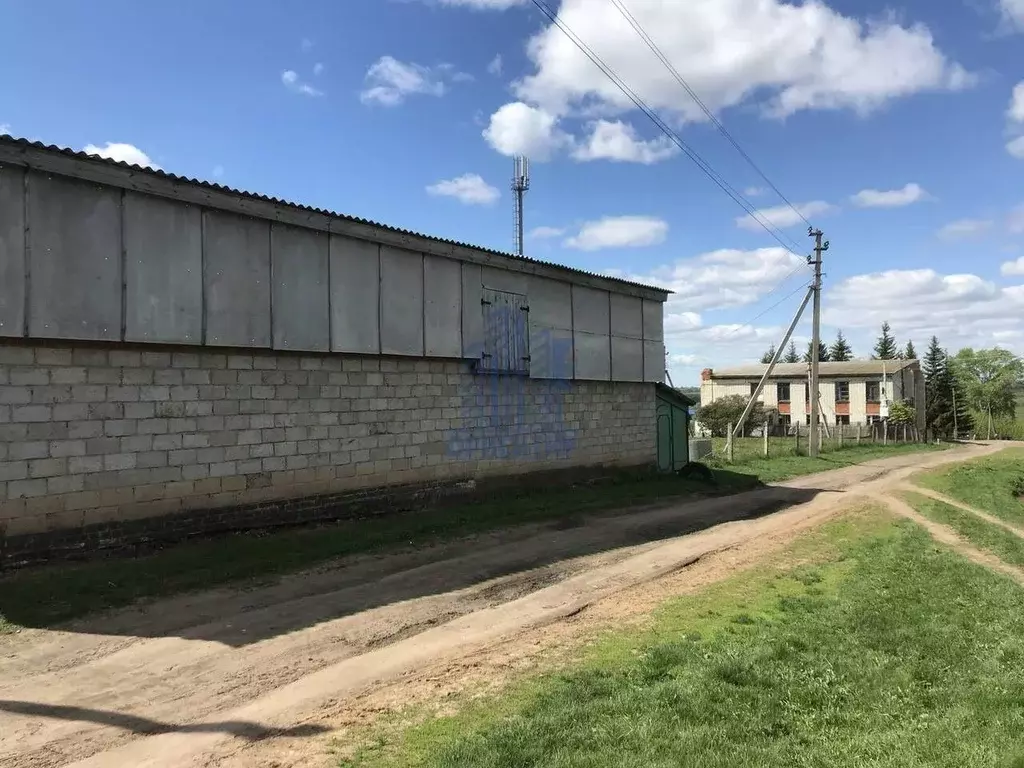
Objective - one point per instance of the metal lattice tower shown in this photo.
(520, 183)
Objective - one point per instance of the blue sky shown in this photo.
(406, 112)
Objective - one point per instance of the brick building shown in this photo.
(851, 392)
(178, 357)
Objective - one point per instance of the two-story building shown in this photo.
(850, 393)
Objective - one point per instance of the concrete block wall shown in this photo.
(105, 433)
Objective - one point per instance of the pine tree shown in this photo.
(938, 384)
(792, 356)
(964, 416)
(885, 347)
(841, 351)
(768, 356)
(909, 353)
(822, 352)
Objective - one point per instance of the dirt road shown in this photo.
(228, 677)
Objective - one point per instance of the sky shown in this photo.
(895, 127)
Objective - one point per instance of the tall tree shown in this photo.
(822, 352)
(910, 353)
(989, 378)
(841, 351)
(885, 347)
(768, 356)
(792, 356)
(940, 411)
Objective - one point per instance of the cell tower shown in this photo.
(520, 183)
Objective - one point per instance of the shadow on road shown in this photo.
(145, 727)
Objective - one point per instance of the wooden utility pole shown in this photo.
(814, 438)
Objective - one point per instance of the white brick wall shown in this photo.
(92, 434)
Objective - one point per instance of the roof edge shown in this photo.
(75, 164)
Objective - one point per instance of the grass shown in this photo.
(1005, 545)
(44, 597)
(880, 649)
(993, 484)
(784, 462)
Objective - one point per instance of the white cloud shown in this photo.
(1015, 220)
(618, 141)
(1013, 268)
(619, 232)
(965, 228)
(293, 83)
(496, 66)
(959, 309)
(1013, 13)
(790, 56)
(389, 81)
(721, 279)
(1016, 147)
(122, 153)
(5, 128)
(469, 188)
(519, 129)
(485, 5)
(318, 69)
(782, 216)
(306, 44)
(544, 233)
(893, 198)
(1015, 112)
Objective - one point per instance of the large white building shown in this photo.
(851, 393)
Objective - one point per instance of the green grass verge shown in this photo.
(1005, 545)
(993, 484)
(881, 649)
(785, 463)
(42, 597)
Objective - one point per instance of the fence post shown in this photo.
(728, 445)
(885, 433)
(797, 433)
(858, 433)
(765, 433)
(839, 435)
(821, 432)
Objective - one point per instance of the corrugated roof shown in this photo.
(25, 143)
(799, 370)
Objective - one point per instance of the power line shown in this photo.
(638, 28)
(704, 166)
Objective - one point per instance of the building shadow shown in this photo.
(144, 726)
(517, 559)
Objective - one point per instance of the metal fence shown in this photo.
(767, 440)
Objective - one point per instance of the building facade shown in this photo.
(850, 393)
(178, 357)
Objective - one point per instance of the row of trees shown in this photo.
(885, 348)
(973, 381)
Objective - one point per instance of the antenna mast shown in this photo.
(520, 183)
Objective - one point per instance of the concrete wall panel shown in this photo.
(237, 280)
(654, 361)
(592, 356)
(590, 310)
(627, 359)
(654, 321)
(627, 316)
(550, 303)
(401, 302)
(163, 270)
(502, 280)
(472, 312)
(12, 251)
(355, 295)
(75, 259)
(301, 290)
(551, 355)
(442, 307)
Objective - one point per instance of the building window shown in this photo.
(842, 391)
(784, 419)
(842, 419)
(873, 419)
(782, 392)
(506, 336)
(753, 389)
(874, 392)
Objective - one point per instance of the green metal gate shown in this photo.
(673, 419)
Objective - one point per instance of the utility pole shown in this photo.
(820, 247)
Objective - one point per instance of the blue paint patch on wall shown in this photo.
(512, 416)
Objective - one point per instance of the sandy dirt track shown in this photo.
(250, 677)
